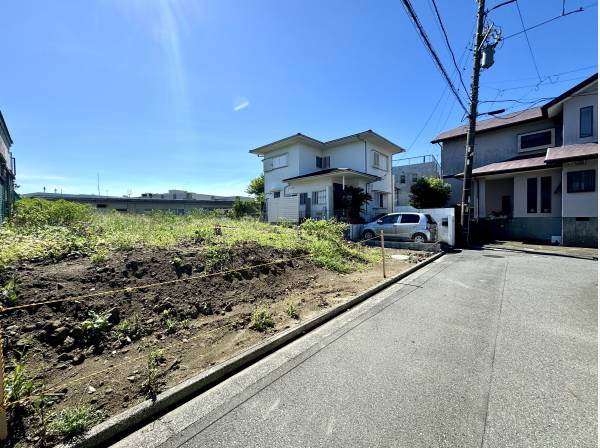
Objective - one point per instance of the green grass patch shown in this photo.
(50, 234)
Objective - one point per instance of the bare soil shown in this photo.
(197, 323)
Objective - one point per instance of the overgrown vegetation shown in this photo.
(153, 362)
(73, 421)
(291, 310)
(261, 319)
(18, 384)
(55, 229)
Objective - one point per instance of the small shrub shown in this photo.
(170, 326)
(243, 208)
(34, 212)
(100, 256)
(127, 331)
(9, 292)
(18, 384)
(261, 319)
(291, 310)
(73, 421)
(96, 323)
(151, 385)
(185, 324)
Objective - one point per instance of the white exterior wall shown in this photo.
(353, 155)
(520, 194)
(283, 209)
(311, 185)
(576, 205)
(274, 178)
(587, 97)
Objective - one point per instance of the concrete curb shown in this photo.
(128, 421)
(539, 252)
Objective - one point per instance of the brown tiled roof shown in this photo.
(511, 165)
(493, 123)
(571, 152)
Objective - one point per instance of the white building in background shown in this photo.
(305, 178)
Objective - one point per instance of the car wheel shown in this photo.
(419, 238)
(368, 234)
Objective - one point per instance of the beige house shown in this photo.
(535, 171)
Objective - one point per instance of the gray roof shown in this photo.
(572, 152)
(522, 116)
(301, 137)
(327, 171)
(499, 122)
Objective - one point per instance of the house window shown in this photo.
(586, 121)
(415, 177)
(536, 140)
(318, 197)
(323, 162)
(276, 194)
(546, 194)
(273, 163)
(303, 198)
(379, 160)
(581, 181)
(532, 195)
(402, 179)
(381, 200)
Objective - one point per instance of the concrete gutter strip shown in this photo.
(539, 252)
(126, 422)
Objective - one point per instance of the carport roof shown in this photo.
(334, 171)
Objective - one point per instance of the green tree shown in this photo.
(242, 208)
(256, 188)
(353, 199)
(429, 192)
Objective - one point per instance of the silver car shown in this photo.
(417, 227)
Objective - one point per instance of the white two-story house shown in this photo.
(306, 178)
(534, 171)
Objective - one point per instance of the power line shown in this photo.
(544, 22)
(528, 42)
(439, 19)
(423, 35)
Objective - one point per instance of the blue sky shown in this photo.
(159, 94)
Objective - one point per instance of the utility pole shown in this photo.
(467, 196)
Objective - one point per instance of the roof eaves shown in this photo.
(299, 135)
(569, 92)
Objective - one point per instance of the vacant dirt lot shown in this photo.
(95, 350)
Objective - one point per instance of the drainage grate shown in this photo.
(493, 256)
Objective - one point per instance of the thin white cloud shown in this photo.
(241, 104)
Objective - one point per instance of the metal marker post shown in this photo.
(382, 255)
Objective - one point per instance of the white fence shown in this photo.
(286, 208)
(444, 217)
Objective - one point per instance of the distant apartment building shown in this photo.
(169, 202)
(7, 172)
(183, 194)
(408, 170)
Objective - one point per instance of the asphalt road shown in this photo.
(478, 349)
